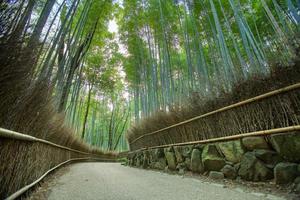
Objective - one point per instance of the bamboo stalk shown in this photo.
(228, 138)
(257, 98)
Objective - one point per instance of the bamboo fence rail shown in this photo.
(4, 133)
(283, 130)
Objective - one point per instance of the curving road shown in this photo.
(112, 181)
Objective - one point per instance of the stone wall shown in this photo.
(251, 158)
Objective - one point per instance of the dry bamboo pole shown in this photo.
(260, 97)
(123, 154)
(4, 133)
(228, 138)
(27, 187)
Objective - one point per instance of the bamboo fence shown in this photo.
(248, 101)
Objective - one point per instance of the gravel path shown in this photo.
(112, 181)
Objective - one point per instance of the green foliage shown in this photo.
(177, 48)
(163, 52)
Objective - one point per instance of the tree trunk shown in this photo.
(87, 111)
(34, 39)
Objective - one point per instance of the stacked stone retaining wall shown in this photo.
(258, 158)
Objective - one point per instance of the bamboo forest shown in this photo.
(101, 69)
(94, 91)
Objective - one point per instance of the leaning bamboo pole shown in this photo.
(257, 98)
(284, 130)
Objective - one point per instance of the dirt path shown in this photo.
(112, 181)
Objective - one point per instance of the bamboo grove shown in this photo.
(54, 55)
(62, 66)
(178, 48)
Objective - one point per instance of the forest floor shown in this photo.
(112, 181)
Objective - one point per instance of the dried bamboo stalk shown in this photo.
(260, 97)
